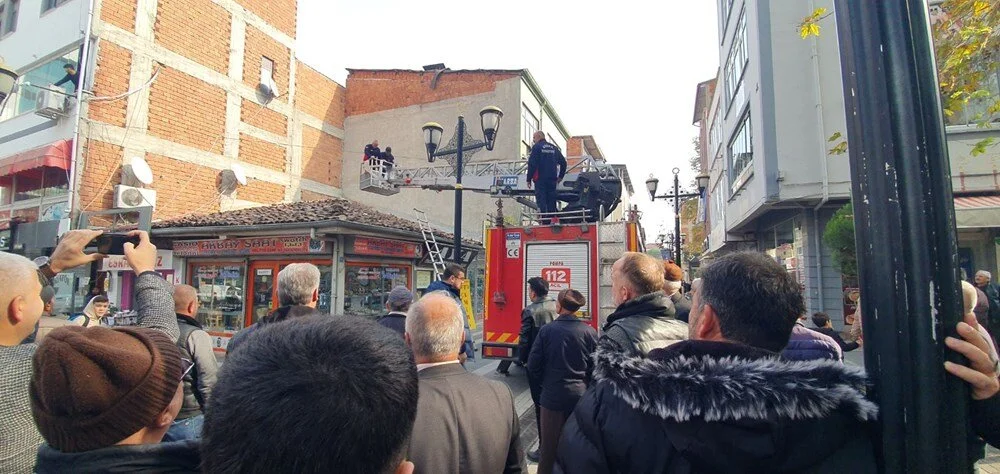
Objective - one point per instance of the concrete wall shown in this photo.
(973, 173)
(400, 129)
(39, 36)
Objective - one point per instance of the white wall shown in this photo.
(39, 35)
(400, 129)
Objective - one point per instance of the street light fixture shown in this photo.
(8, 79)
(652, 183)
(490, 120)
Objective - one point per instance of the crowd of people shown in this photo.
(302, 391)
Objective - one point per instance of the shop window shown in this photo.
(34, 184)
(220, 294)
(28, 185)
(784, 243)
(367, 287)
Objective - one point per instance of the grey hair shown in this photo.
(985, 274)
(435, 335)
(297, 283)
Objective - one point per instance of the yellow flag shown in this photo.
(467, 303)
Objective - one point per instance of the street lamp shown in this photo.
(8, 79)
(489, 119)
(652, 183)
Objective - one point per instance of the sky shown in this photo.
(625, 72)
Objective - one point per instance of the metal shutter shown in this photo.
(572, 255)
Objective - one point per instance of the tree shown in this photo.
(839, 238)
(694, 243)
(967, 47)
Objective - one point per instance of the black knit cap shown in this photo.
(93, 387)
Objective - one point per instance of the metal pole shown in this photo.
(905, 232)
(458, 190)
(677, 220)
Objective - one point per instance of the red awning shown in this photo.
(55, 155)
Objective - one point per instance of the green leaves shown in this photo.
(810, 24)
(841, 147)
(980, 147)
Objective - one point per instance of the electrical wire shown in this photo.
(125, 94)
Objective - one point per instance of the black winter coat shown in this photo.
(806, 344)
(395, 321)
(706, 407)
(561, 360)
(175, 457)
(642, 324)
(682, 306)
(278, 315)
(985, 417)
(546, 163)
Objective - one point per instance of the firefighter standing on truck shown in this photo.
(546, 167)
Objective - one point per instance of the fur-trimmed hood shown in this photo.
(717, 381)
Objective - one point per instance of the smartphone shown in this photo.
(113, 244)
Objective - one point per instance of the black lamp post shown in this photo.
(651, 185)
(489, 118)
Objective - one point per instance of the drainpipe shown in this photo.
(818, 94)
(84, 70)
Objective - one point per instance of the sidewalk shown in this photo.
(991, 463)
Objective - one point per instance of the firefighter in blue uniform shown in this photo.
(546, 168)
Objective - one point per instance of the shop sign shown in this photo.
(5, 219)
(116, 263)
(386, 247)
(300, 244)
(220, 340)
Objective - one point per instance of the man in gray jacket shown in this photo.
(196, 346)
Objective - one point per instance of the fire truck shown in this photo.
(572, 248)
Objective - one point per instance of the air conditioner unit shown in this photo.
(51, 105)
(127, 197)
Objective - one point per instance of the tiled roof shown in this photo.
(305, 212)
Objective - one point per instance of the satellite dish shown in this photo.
(239, 173)
(132, 197)
(141, 170)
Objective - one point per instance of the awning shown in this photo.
(975, 212)
(55, 155)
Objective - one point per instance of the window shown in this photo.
(529, 127)
(737, 61)
(978, 110)
(220, 294)
(784, 243)
(33, 184)
(718, 196)
(266, 70)
(367, 287)
(50, 4)
(26, 96)
(725, 7)
(741, 154)
(8, 16)
(715, 133)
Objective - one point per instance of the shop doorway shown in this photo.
(263, 297)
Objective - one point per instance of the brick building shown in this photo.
(193, 87)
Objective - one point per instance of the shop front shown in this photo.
(236, 279)
(373, 267)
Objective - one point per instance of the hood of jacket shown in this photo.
(654, 305)
(190, 321)
(438, 285)
(181, 456)
(730, 407)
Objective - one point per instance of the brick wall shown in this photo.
(182, 188)
(261, 153)
(262, 192)
(120, 13)
(195, 29)
(374, 91)
(319, 96)
(311, 196)
(110, 78)
(102, 170)
(259, 44)
(188, 111)
(322, 156)
(263, 118)
(278, 13)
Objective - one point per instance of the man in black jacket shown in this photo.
(724, 401)
(644, 319)
(546, 168)
(398, 303)
(561, 361)
(298, 294)
(823, 326)
(196, 346)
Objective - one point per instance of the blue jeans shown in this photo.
(188, 428)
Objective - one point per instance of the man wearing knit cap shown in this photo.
(21, 306)
(397, 304)
(672, 274)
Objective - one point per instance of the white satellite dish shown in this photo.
(141, 170)
(239, 173)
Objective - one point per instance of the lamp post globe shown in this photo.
(651, 185)
(432, 138)
(703, 180)
(490, 118)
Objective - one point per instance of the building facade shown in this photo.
(196, 96)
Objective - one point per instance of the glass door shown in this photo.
(263, 290)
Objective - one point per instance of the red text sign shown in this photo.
(557, 277)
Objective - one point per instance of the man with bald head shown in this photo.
(546, 168)
(645, 318)
(455, 405)
(195, 345)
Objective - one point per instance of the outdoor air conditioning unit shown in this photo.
(127, 197)
(51, 105)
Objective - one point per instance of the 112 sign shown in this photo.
(557, 277)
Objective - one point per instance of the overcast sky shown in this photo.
(625, 72)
